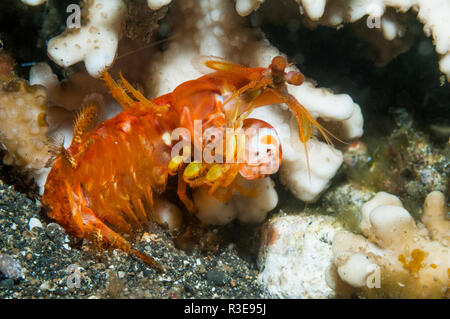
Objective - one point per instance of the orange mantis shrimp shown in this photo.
(103, 185)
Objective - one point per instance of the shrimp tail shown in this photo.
(68, 205)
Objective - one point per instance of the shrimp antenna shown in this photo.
(146, 46)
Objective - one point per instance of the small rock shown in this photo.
(176, 291)
(7, 283)
(44, 286)
(34, 222)
(9, 267)
(201, 269)
(217, 278)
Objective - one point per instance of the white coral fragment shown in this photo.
(398, 258)
(251, 209)
(42, 74)
(245, 7)
(95, 42)
(322, 103)
(324, 162)
(435, 218)
(353, 126)
(34, 2)
(157, 4)
(381, 198)
(354, 269)
(314, 8)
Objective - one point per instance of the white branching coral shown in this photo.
(213, 28)
(333, 13)
(95, 42)
(433, 15)
(399, 258)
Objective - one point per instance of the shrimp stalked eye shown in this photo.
(294, 78)
(279, 76)
(278, 64)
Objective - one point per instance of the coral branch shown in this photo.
(95, 42)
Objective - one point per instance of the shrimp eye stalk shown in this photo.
(295, 78)
(278, 64)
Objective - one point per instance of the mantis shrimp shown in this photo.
(103, 185)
